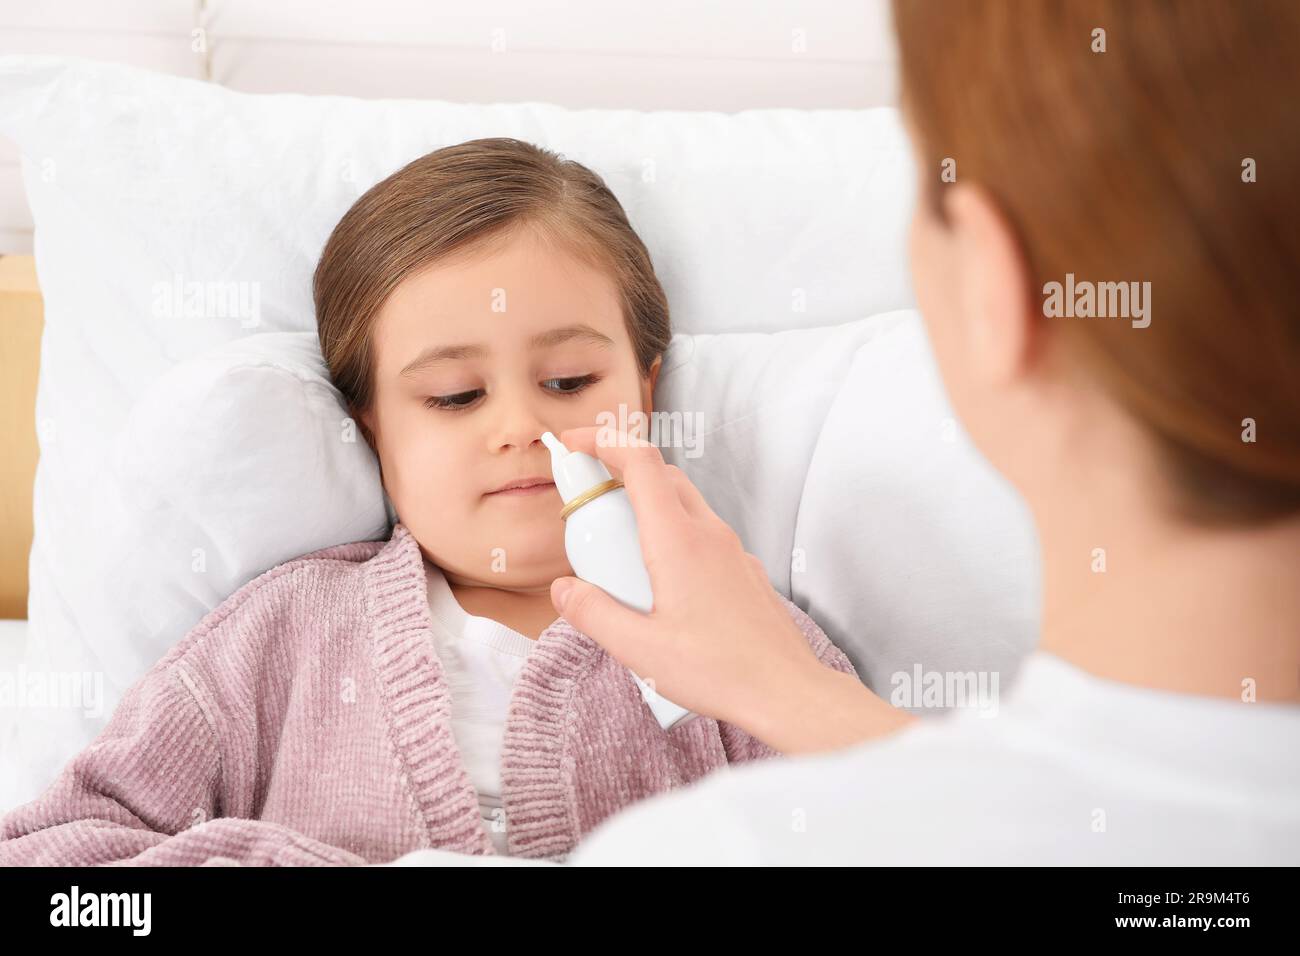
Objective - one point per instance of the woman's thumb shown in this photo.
(593, 612)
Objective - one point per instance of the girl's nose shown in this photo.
(519, 424)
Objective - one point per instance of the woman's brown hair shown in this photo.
(1149, 141)
(453, 200)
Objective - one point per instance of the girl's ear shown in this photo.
(366, 422)
(648, 385)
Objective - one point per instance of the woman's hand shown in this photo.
(718, 639)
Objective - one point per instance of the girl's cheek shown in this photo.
(615, 391)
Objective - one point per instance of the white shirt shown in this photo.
(1069, 769)
(482, 658)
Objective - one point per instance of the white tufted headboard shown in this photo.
(674, 54)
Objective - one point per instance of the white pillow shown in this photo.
(232, 463)
(915, 551)
(759, 401)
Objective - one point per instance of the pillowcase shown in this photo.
(911, 551)
(754, 404)
(232, 463)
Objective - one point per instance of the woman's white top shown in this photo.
(1066, 768)
(482, 658)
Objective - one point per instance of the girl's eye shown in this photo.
(461, 400)
(571, 386)
(452, 402)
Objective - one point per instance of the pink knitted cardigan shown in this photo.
(306, 721)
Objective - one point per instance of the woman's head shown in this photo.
(479, 296)
(1114, 142)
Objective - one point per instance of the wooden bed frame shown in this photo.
(21, 322)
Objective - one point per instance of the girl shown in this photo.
(369, 699)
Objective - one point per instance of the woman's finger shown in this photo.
(662, 522)
(645, 475)
(617, 451)
(588, 439)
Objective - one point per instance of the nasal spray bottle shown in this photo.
(603, 546)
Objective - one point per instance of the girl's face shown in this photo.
(475, 357)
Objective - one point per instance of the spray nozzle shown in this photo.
(554, 444)
(574, 471)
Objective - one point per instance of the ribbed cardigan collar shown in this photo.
(537, 765)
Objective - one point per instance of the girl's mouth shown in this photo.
(537, 488)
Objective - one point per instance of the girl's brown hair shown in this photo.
(1128, 155)
(453, 200)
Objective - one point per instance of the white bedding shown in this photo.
(13, 635)
(13, 639)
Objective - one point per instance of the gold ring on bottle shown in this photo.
(595, 491)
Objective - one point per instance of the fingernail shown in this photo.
(560, 588)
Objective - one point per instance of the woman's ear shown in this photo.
(1001, 318)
